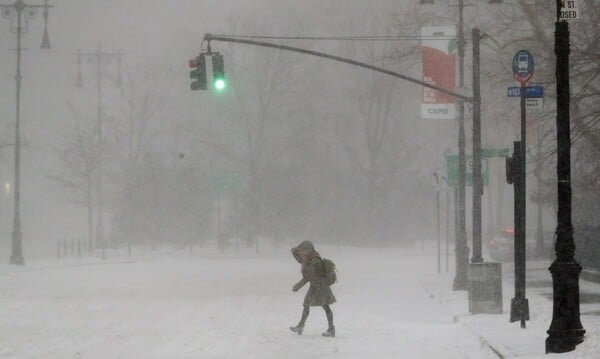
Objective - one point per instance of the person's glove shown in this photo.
(296, 287)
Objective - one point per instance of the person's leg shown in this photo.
(300, 327)
(305, 313)
(331, 328)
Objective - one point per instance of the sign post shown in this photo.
(523, 68)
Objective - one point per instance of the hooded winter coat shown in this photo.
(319, 293)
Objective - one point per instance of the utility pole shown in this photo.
(461, 248)
(519, 305)
(436, 176)
(23, 13)
(477, 180)
(447, 224)
(540, 251)
(100, 58)
(565, 330)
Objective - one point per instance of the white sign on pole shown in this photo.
(569, 10)
(439, 69)
(534, 104)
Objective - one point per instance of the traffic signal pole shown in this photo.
(519, 309)
(477, 180)
(209, 38)
(519, 305)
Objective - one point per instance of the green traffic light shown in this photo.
(220, 84)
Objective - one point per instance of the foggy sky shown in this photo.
(168, 33)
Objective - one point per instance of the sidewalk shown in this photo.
(508, 340)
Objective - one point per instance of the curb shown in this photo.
(498, 349)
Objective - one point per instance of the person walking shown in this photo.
(320, 273)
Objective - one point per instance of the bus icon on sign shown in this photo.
(523, 62)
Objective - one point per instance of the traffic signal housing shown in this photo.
(512, 165)
(199, 73)
(218, 72)
(510, 170)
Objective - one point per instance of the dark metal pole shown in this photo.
(461, 248)
(522, 262)
(219, 239)
(439, 244)
(539, 236)
(477, 182)
(519, 305)
(90, 214)
(455, 210)
(129, 183)
(565, 330)
(16, 256)
(100, 228)
(447, 227)
(237, 224)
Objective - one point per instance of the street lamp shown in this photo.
(565, 331)
(21, 14)
(100, 57)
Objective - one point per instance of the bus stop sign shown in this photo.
(523, 66)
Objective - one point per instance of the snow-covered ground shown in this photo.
(170, 304)
(508, 339)
(174, 305)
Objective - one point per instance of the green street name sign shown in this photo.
(494, 152)
(452, 170)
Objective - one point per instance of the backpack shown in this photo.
(330, 271)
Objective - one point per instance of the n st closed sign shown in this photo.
(569, 10)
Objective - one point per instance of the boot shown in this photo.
(297, 329)
(330, 332)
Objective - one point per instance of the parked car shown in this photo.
(501, 247)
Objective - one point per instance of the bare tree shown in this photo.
(77, 157)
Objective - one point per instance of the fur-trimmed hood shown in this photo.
(304, 252)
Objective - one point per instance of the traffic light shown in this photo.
(512, 165)
(218, 72)
(199, 74)
(510, 170)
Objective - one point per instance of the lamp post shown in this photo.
(565, 331)
(100, 57)
(20, 14)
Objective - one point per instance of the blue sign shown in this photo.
(530, 91)
(523, 66)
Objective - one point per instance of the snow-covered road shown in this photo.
(206, 306)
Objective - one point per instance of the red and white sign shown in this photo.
(439, 68)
